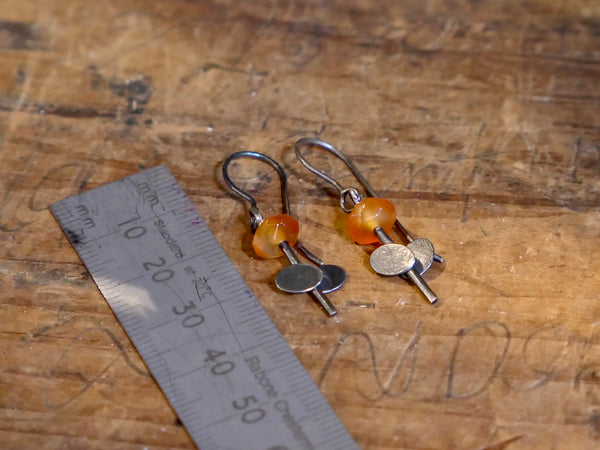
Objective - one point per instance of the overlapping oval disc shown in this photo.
(423, 251)
(334, 278)
(392, 259)
(298, 278)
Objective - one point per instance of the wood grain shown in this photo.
(479, 120)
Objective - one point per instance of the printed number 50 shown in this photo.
(252, 415)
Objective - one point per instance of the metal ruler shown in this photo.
(226, 370)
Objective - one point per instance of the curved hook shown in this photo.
(255, 215)
(344, 192)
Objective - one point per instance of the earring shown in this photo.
(276, 236)
(372, 219)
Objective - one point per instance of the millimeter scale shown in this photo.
(226, 370)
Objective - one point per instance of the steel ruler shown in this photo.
(226, 370)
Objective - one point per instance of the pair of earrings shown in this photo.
(370, 221)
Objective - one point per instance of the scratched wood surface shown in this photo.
(479, 120)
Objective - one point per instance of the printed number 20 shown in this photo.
(161, 275)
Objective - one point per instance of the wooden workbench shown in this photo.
(479, 120)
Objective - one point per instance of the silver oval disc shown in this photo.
(392, 259)
(423, 250)
(334, 277)
(298, 278)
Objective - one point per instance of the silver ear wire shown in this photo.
(337, 152)
(255, 215)
(343, 192)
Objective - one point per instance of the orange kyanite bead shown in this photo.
(368, 215)
(273, 231)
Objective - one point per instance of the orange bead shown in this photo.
(368, 215)
(273, 231)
